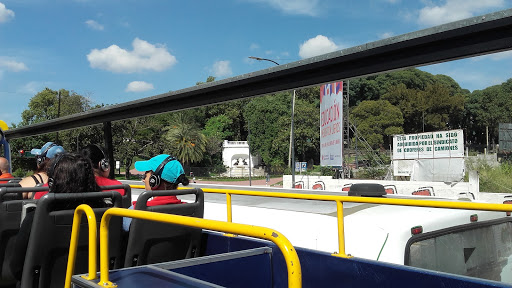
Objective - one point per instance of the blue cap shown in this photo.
(50, 153)
(172, 170)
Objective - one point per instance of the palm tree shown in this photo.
(186, 142)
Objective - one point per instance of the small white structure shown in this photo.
(235, 156)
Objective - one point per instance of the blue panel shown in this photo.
(146, 277)
(323, 270)
(252, 271)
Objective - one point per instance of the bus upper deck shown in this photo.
(228, 261)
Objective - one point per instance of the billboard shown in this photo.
(429, 156)
(331, 124)
(428, 145)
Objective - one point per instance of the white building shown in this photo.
(235, 156)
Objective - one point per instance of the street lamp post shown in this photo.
(291, 156)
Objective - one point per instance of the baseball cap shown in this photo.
(54, 150)
(172, 170)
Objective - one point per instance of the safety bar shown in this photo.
(341, 199)
(73, 245)
(289, 253)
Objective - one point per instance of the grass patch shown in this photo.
(496, 179)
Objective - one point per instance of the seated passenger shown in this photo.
(4, 169)
(162, 172)
(43, 157)
(64, 167)
(100, 166)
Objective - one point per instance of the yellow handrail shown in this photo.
(73, 245)
(354, 199)
(289, 253)
(341, 199)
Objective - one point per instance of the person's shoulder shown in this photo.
(103, 181)
(27, 182)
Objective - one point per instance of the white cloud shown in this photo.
(139, 86)
(144, 56)
(299, 7)
(386, 35)
(254, 46)
(94, 25)
(501, 55)
(12, 65)
(453, 10)
(495, 56)
(31, 87)
(317, 46)
(222, 69)
(5, 14)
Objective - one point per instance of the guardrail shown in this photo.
(77, 218)
(354, 199)
(289, 253)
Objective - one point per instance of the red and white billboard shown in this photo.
(331, 124)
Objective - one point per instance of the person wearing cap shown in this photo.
(162, 172)
(43, 156)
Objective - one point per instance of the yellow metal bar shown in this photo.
(340, 199)
(374, 200)
(229, 206)
(289, 253)
(341, 231)
(137, 186)
(73, 245)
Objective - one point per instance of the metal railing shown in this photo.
(353, 199)
(77, 217)
(289, 253)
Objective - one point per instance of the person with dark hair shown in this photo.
(100, 166)
(68, 173)
(162, 172)
(43, 157)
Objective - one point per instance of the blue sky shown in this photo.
(114, 51)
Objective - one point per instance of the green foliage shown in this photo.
(186, 141)
(372, 173)
(494, 179)
(263, 113)
(218, 127)
(488, 108)
(376, 121)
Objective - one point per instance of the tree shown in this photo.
(376, 121)
(486, 109)
(45, 106)
(185, 140)
(138, 137)
(267, 128)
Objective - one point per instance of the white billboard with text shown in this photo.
(429, 156)
(331, 124)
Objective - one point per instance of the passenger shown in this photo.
(100, 166)
(43, 157)
(162, 172)
(4, 169)
(64, 167)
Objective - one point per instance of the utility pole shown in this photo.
(291, 154)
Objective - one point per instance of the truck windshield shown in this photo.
(483, 252)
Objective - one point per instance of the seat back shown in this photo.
(10, 180)
(154, 242)
(48, 247)
(11, 206)
(127, 198)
